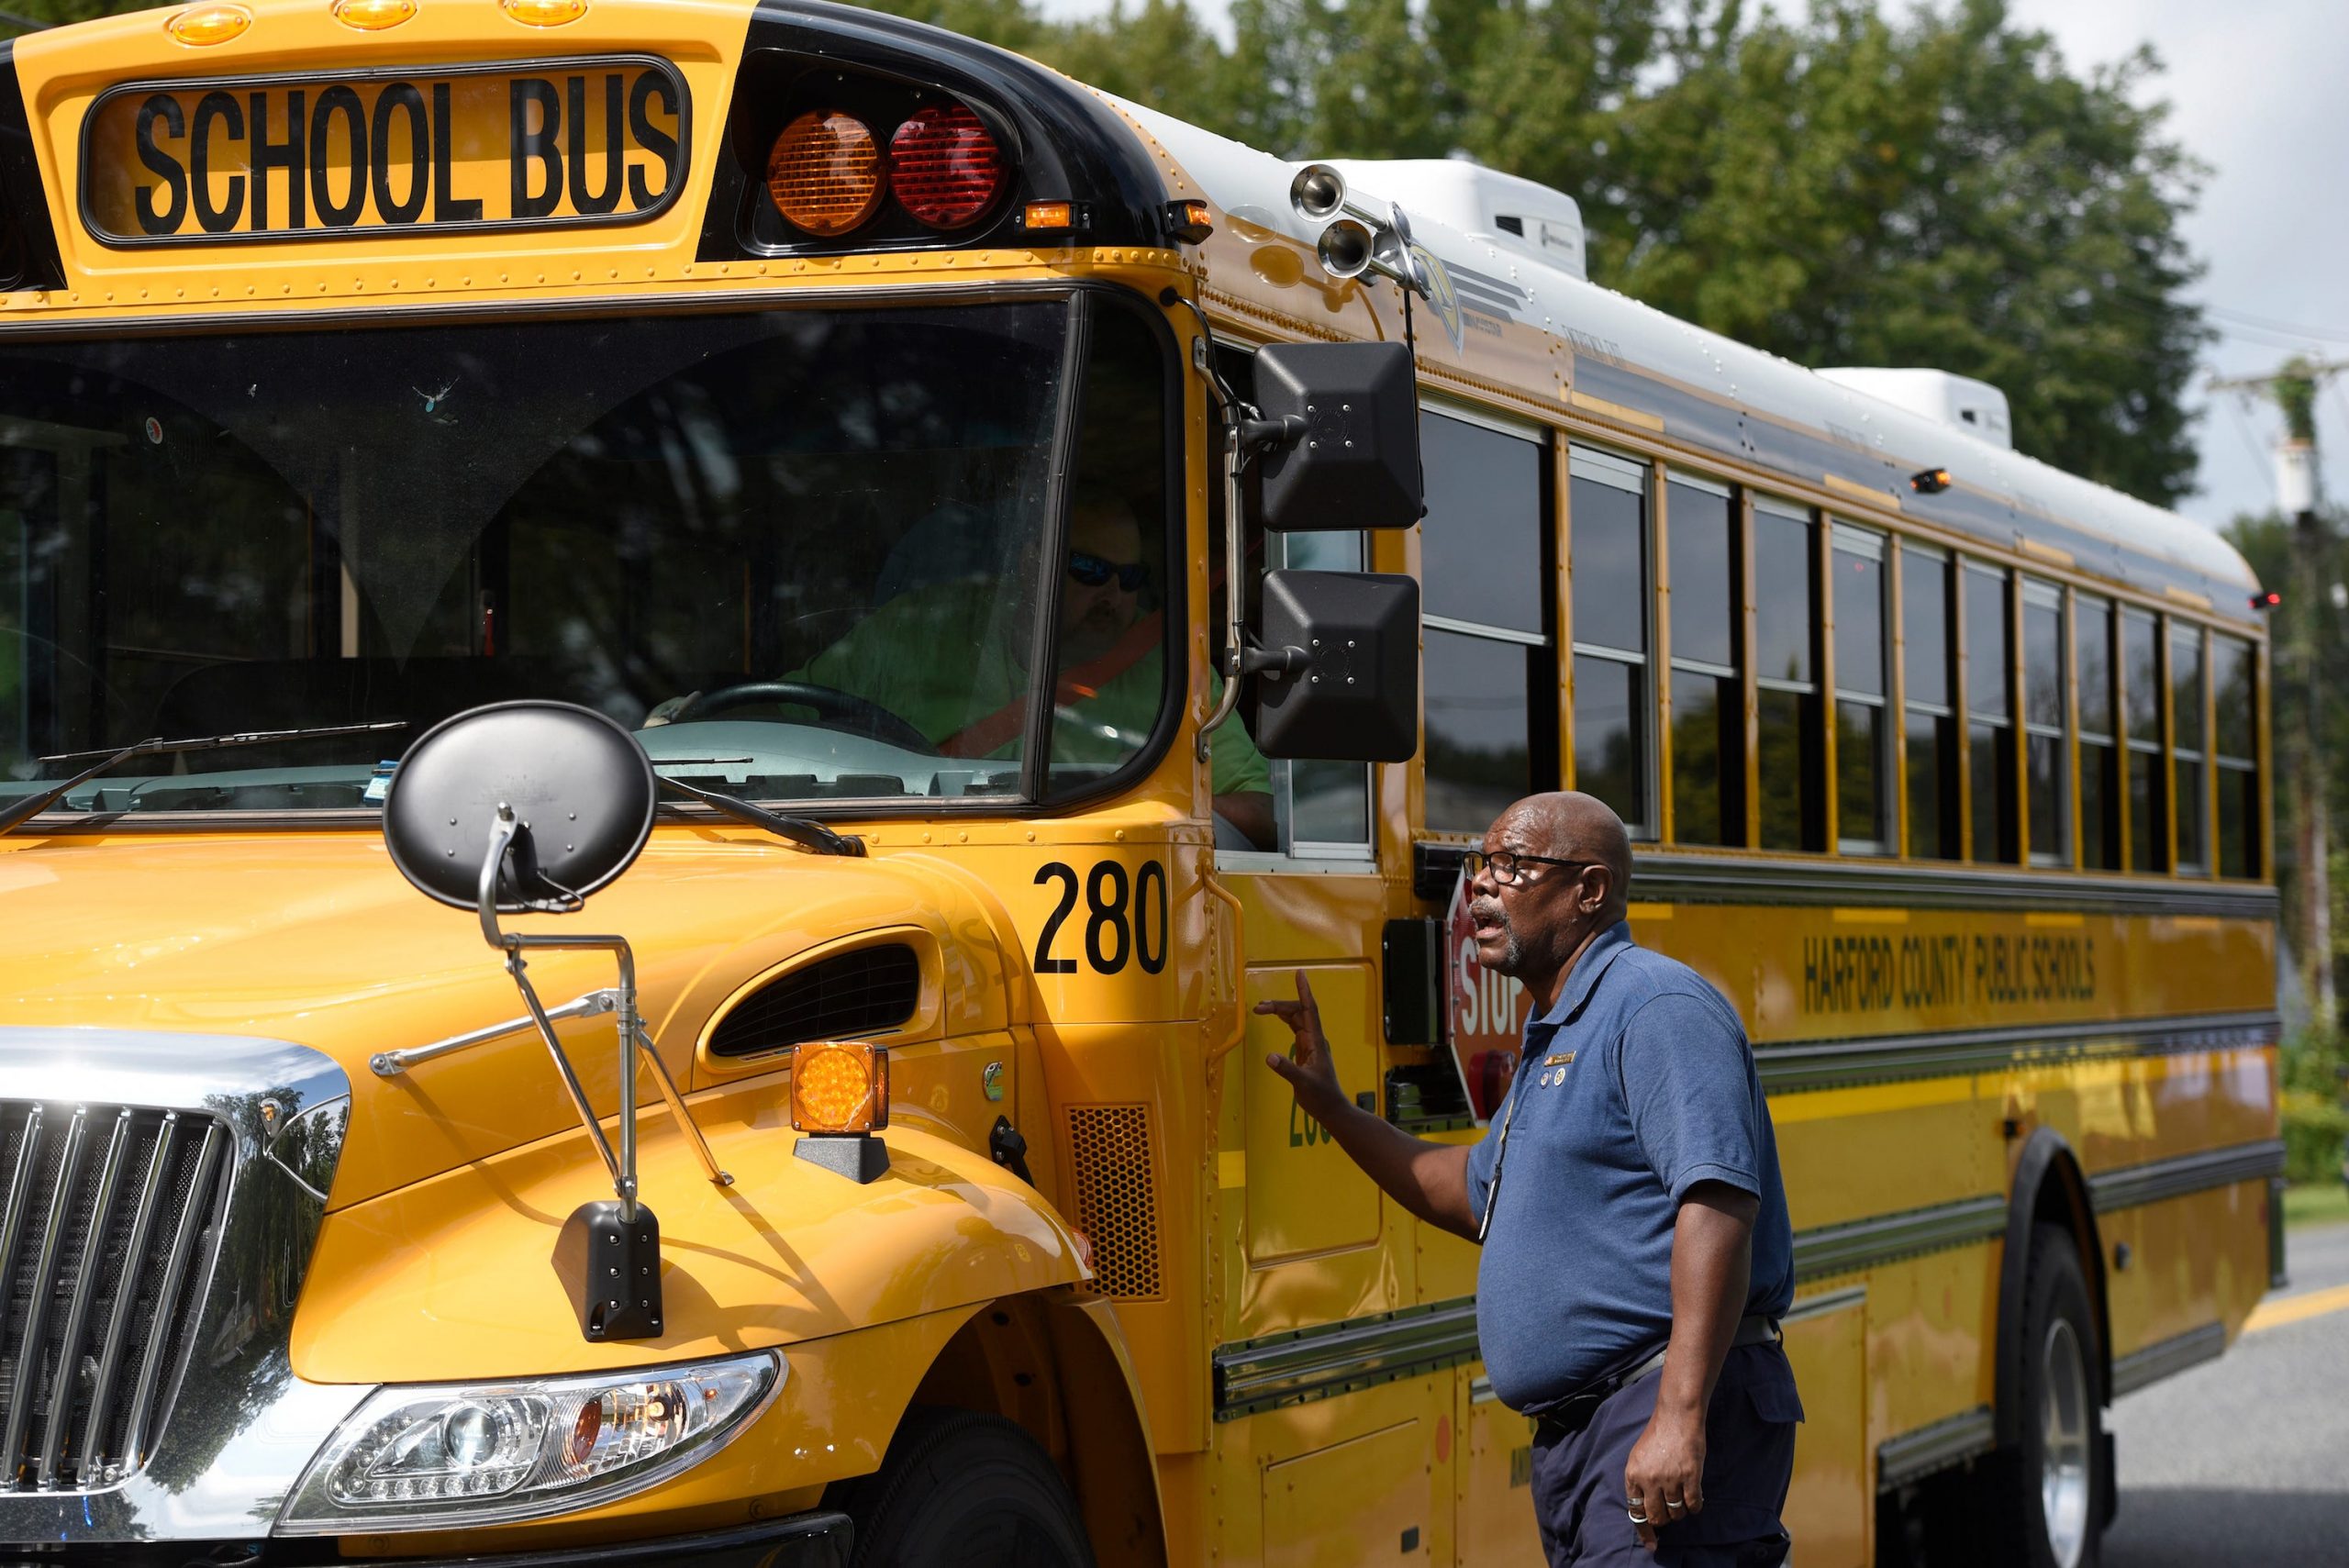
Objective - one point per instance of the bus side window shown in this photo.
(1321, 811)
(2099, 751)
(1862, 733)
(2235, 676)
(1790, 738)
(1607, 540)
(2141, 698)
(2187, 767)
(2047, 779)
(1490, 672)
(1931, 725)
(1708, 683)
(1990, 711)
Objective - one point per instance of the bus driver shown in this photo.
(935, 656)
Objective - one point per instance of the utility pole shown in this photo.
(2293, 389)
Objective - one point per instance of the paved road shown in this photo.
(2246, 1460)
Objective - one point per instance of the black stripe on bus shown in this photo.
(1791, 1068)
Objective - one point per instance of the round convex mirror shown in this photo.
(580, 785)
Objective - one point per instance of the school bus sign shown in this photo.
(548, 144)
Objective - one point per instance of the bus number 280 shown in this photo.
(1125, 917)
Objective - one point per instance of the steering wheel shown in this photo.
(834, 706)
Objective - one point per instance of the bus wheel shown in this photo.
(2049, 1486)
(963, 1490)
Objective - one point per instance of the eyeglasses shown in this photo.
(1092, 571)
(1509, 867)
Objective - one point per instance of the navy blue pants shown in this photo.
(1578, 1494)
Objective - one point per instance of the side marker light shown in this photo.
(208, 25)
(2269, 600)
(544, 13)
(1189, 222)
(1929, 480)
(374, 15)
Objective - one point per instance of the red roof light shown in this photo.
(945, 167)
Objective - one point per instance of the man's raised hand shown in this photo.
(1309, 1068)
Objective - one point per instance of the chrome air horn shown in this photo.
(1357, 238)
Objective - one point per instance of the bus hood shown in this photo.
(315, 938)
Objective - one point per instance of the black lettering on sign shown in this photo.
(222, 110)
(1151, 874)
(1055, 871)
(266, 155)
(162, 164)
(406, 100)
(651, 85)
(1119, 916)
(353, 158)
(1104, 894)
(583, 200)
(605, 141)
(1868, 974)
(446, 206)
(535, 143)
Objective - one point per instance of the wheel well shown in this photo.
(1047, 1364)
(2049, 1189)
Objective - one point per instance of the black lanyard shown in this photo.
(1500, 1153)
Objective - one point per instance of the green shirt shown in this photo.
(941, 659)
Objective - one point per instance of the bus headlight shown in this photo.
(417, 1456)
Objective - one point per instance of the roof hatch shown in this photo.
(1975, 407)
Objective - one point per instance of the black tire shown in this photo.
(2046, 1495)
(962, 1490)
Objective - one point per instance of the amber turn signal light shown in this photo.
(1929, 480)
(1189, 220)
(824, 172)
(840, 1087)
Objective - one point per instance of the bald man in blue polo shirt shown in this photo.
(1637, 1251)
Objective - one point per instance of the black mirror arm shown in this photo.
(1275, 663)
(1257, 435)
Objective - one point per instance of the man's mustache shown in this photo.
(1488, 912)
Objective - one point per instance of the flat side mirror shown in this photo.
(1352, 460)
(1337, 667)
(580, 788)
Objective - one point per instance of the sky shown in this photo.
(2253, 87)
(2254, 90)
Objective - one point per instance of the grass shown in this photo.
(2316, 1203)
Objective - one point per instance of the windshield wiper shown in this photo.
(805, 832)
(19, 811)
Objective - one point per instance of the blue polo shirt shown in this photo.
(1637, 1085)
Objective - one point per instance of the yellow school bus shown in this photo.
(954, 531)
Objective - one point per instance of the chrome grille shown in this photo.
(111, 1217)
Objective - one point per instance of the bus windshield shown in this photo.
(799, 550)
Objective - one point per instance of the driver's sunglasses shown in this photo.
(1092, 571)
(1509, 867)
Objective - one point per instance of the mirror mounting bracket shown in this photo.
(608, 1246)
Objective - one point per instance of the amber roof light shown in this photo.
(824, 173)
